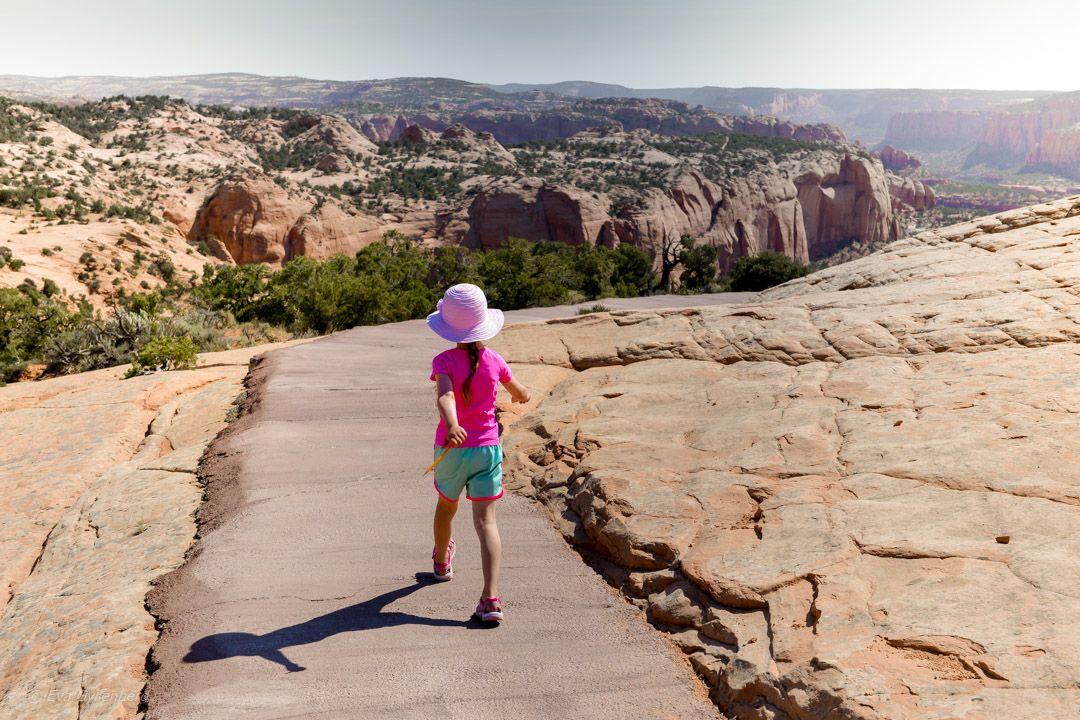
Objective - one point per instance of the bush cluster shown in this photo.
(388, 281)
(394, 280)
(763, 271)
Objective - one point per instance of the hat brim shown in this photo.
(486, 330)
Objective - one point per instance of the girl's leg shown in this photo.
(490, 544)
(443, 525)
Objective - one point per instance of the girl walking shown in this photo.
(466, 378)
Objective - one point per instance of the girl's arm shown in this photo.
(518, 392)
(444, 401)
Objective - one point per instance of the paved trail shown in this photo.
(309, 594)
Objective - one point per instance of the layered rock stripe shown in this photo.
(309, 591)
(854, 498)
(99, 492)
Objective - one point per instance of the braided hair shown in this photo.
(474, 362)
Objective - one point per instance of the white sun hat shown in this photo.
(463, 316)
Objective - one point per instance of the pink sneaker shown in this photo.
(489, 609)
(443, 571)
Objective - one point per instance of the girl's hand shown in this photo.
(518, 392)
(455, 436)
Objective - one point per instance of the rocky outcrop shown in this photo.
(329, 230)
(466, 145)
(805, 211)
(465, 141)
(854, 499)
(414, 134)
(851, 201)
(254, 220)
(335, 164)
(536, 210)
(910, 194)
(935, 130)
(383, 128)
(893, 159)
(336, 133)
(251, 219)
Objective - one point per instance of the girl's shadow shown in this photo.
(367, 615)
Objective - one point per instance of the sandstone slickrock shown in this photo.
(99, 494)
(807, 492)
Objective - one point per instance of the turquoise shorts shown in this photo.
(477, 468)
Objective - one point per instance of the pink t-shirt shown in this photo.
(478, 418)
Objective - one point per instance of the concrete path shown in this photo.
(309, 592)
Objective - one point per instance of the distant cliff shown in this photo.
(1009, 137)
(935, 130)
(804, 210)
(1058, 151)
(665, 117)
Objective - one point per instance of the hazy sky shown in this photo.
(990, 44)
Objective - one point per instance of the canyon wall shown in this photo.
(805, 215)
(935, 130)
(1010, 136)
(1057, 150)
(663, 117)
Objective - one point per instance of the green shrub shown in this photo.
(96, 343)
(164, 353)
(764, 270)
(699, 264)
(597, 308)
(28, 322)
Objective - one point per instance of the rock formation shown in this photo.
(935, 130)
(465, 145)
(853, 499)
(1010, 136)
(256, 220)
(536, 210)
(336, 133)
(1057, 150)
(805, 210)
(894, 159)
(910, 194)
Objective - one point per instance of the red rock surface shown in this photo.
(806, 217)
(894, 159)
(99, 495)
(256, 220)
(807, 493)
